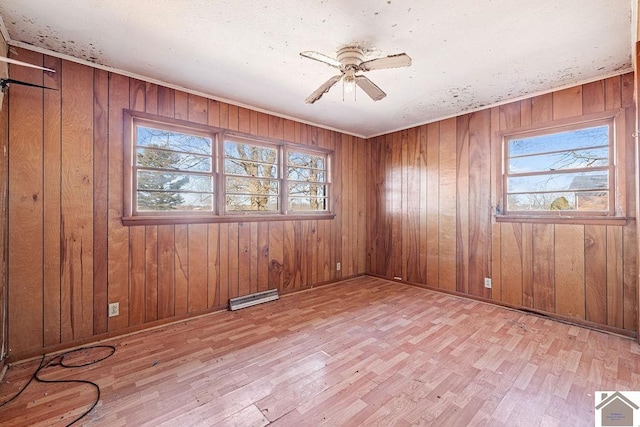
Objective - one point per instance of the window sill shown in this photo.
(548, 219)
(193, 219)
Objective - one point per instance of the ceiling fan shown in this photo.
(350, 60)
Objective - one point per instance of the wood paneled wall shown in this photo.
(70, 255)
(430, 222)
(4, 140)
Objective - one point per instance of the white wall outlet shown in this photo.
(114, 309)
(338, 266)
(487, 282)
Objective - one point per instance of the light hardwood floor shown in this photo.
(363, 352)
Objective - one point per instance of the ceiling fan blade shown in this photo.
(4, 83)
(317, 94)
(321, 58)
(25, 64)
(391, 61)
(370, 88)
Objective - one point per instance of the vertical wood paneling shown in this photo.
(288, 256)
(51, 249)
(595, 252)
(100, 200)
(423, 202)
(462, 201)
(395, 186)
(432, 203)
(77, 200)
(166, 268)
(151, 232)
(527, 265)
(336, 227)
(137, 272)
(4, 186)
(479, 201)
(593, 97)
(511, 262)
(447, 206)
(615, 286)
(362, 203)
(567, 103)
(569, 270)
(630, 290)
(151, 273)
(25, 281)
(543, 249)
(263, 255)
(233, 253)
(137, 240)
(118, 235)
(213, 265)
(276, 255)
(223, 256)
(542, 108)
(198, 256)
(244, 258)
(496, 198)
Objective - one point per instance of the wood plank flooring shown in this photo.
(364, 352)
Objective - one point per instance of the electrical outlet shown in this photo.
(487, 282)
(114, 309)
(338, 266)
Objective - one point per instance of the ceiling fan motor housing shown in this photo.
(351, 57)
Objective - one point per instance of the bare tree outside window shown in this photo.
(251, 177)
(307, 189)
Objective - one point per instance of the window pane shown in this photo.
(247, 168)
(174, 201)
(252, 186)
(303, 189)
(160, 159)
(300, 174)
(160, 180)
(568, 140)
(559, 182)
(236, 150)
(307, 203)
(561, 201)
(541, 202)
(305, 160)
(170, 140)
(572, 159)
(252, 203)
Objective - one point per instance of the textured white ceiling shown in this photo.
(466, 53)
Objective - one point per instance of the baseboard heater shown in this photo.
(253, 299)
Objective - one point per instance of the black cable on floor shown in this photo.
(59, 361)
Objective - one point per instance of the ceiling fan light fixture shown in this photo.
(349, 84)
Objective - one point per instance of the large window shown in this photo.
(179, 172)
(567, 170)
